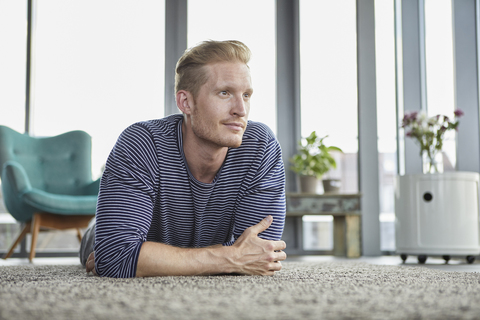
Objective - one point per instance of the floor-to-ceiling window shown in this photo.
(386, 118)
(439, 70)
(13, 48)
(249, 21)
(328, 59)
(13, 39)
(98, 66)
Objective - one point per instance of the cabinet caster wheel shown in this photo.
(403, 257)
(422, 259)
(446, 258)
(470, 259)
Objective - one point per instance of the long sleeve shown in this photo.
(125, 203)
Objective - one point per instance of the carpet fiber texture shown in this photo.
(302, 290)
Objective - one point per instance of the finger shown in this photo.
(91, 267)
(90, 264)
(91, 257)
(278, 245)
(280, 256)
(276, 256)
(275, 266)
(262, 225)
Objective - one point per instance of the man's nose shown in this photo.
(240, 107)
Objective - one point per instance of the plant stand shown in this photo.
(437, 214)
(346, 212)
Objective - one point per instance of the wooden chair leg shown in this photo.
(36, 222)
(49, 221)
(22, 235)
(79, 235)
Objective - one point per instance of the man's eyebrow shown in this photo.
(227, 86)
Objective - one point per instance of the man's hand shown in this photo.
(256, 256)
(90, 265)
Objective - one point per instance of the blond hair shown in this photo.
(190, 74)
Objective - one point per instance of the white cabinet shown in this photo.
(437, 214)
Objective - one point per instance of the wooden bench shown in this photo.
(346, 212)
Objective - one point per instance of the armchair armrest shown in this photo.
(14, 175)
(15, 184)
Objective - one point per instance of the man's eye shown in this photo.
(223, 93)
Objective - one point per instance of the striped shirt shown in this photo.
(147, 193)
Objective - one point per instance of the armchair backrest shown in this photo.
(59, 164)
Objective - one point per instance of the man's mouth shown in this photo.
(236, 126)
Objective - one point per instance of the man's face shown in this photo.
(220, 111)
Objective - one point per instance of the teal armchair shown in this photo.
(47, 182)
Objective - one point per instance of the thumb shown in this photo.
(262, 225)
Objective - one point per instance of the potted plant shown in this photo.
(312, 161)
(428, 134)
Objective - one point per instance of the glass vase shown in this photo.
(432, 162)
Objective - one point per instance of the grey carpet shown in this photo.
(302, 290)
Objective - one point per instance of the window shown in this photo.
(99, 67)
(101, 71)
(386, 118)
(228, 20)
(13, 55)
(328, 68)
(328, 57)
(439, 70)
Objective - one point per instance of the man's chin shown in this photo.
(233, 140)
(236, 145)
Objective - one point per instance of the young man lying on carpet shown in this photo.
(193, 194)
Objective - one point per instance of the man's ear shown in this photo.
(184, 101)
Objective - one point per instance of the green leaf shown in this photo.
(314, 158)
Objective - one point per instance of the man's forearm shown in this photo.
(158, 259)
(248, 255)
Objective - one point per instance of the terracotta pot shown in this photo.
(308, 184)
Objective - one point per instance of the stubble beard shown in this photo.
(207, 132)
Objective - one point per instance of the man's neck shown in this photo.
(204, 159)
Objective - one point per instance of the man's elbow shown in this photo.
(122, 264)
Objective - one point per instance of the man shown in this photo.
(194, 194)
